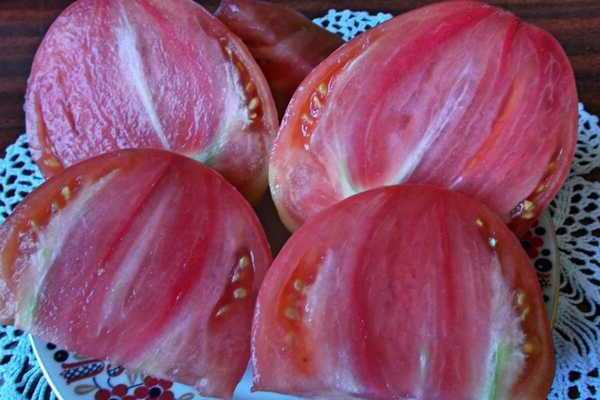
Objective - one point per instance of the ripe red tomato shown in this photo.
(285, 43)
(143, 257)
(165, 74)
(409, 292)
(458, 94)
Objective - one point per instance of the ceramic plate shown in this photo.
(79, 378)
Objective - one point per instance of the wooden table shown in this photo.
(576, 24)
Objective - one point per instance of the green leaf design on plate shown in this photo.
(84, 389)
(132, 377)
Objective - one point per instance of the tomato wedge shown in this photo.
(143, 257)
(405, 292)
(458, 94)
(166, 74)
(285, 43)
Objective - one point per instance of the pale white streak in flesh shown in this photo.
(343, 177)
(49, 244)
(424, 353)
(162, 355)
(505, 360)
(235, 116)
(133, 67)
(130, 267)
(337, 361)
(453, 105)
(169, 352)
(339, 153)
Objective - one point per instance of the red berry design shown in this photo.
(120, 390)
(141, 392)
(165, 384)
(129, 398)
(149, 381)
(102, 394)
(168, 395)
(155, 389)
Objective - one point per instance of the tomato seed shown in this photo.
(51, 162)
(253, 104)
(291, 313)
(66, 192)
(244, 262)
(530, 346)
(298, 285)
(221, 311)
(520, 298)
(240, 293)
(249, 88)
(322, 89)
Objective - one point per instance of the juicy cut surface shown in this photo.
(164, 74)
(142, 257)
(407, 292)
(459, 94)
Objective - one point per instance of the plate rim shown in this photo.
(42, 366)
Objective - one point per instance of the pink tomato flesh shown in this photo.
(143, 257)
(458, 94)
(116, 74)
(406, 292)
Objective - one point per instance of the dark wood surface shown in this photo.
(576, 24)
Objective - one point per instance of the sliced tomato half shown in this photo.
(285, 43)
(115, 74)
(143, 257)
(406, 292)
(459, 94)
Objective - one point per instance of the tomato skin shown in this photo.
(403, 292)
(285, 43)
(445, 98)
(124, 257)
(116, 74)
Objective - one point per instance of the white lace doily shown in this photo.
(575, 211)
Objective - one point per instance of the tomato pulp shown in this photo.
(285, 43)
(143, 257)
(459, 94)
(406, 292)
(165, 74)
